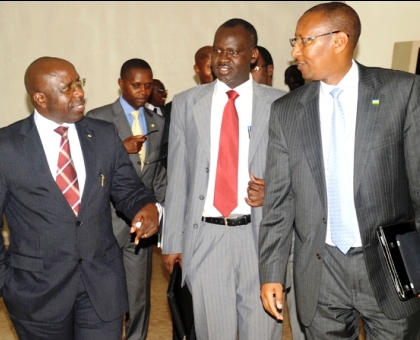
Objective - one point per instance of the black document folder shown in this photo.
(180, 304)
(401, 247)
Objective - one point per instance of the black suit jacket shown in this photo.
(50, 247)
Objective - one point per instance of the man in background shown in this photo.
(202, 66)
(343, 160)
(157, 99)
(213, 200)
(263, 69)
(63, 276)
(127, 113)
(293, 77)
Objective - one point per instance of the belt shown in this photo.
(228, 222)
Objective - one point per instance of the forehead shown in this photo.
(232, 37)
(158, 84)
(310, 23)
(136, 74)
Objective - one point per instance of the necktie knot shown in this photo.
(135, 114)
(62, 130)
(232, 95)
(335, 92)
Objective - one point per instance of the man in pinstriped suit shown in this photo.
(220, 262)
(336, 287)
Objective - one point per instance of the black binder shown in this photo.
(180, 304)
(400, 243)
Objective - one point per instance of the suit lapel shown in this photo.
(367, 119)
(32, 144)
(201, 114)
(88, 146)
(120, 121)
(260, 117)
(311, 133)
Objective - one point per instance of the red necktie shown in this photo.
(66, 173)
(226, 186)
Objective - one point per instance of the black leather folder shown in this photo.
(180, 304)
(400, 243)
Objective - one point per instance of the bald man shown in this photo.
(202, 66)
(63, 275)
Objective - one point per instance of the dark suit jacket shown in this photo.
(386, 183)
(50, 247)
(152, 175)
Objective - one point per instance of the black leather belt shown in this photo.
(228, 222)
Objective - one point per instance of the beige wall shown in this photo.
(97, 37)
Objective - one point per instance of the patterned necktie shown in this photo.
(66, 178)
(226, 186)
(340, 193)
(137, 131)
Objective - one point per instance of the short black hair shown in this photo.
(132, 64)
(266, 55)
(249, 28)
(341, 17)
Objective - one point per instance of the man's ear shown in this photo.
(270, 70)
(197, 70)
(341, 40)
(120, 83)
(254, 55)
(40, 99)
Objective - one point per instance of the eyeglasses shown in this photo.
(306, 41)
(72, 87)
(162, 91)
(257, 68)
(230, 53)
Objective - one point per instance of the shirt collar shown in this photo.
(128, 108)
(348, 82)
(243, 90)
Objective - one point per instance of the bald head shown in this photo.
(202, 65)
(55, 89)
(340, 17)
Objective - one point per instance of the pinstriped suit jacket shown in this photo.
(386, 183)
(189, 161)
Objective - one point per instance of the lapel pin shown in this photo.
(89, 135)
(152, 125)
(375, 101)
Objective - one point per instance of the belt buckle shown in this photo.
(226, 221)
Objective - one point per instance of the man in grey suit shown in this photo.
(340, 273)
(136, 83)
(217, 246)
(63, 276)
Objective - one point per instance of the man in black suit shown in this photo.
(136, 84)
(342, 159)
(63, 275)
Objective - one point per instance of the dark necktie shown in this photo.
(226, 186)
(66, 178)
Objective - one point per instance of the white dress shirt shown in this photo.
(348, 99)
(51, 143)
(243, 106)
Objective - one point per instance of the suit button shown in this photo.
(325, 220)
(79, 223)
(80, 261)
(201, 197)
(139, 163)
(318, 256)
(195, 226)
(207, 169)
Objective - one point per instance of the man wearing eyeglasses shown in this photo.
(62, 276)
(136, 84)
(262, 71)
(343, 159)
(217, 143)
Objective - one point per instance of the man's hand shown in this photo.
(255, 191)
(133, 144)
(145, 223)
(170, 259)
(272, 299)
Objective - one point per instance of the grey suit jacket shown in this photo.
(189, 161)
(51, 248)
(386, 183)
(153, 175)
